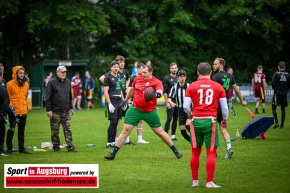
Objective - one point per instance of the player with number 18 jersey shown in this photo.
(205, 94)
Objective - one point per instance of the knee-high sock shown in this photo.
(274, 112)
(210, 164)
(194, 162)
(112, 130)
(185, 135)
(283, 115)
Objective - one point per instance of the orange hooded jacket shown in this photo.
(17, 93)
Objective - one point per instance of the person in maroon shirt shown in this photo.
(259, 85)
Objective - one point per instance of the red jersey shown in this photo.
(76, 83)
(205, 95)
(258, 80)
(140, 85)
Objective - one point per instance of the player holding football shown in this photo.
(205, 96)
(142, 110)
(226, 80)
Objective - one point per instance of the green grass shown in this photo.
(256, 166)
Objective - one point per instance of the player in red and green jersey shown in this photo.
(205, 95)
(142, 110)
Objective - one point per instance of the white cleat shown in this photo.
(2, 154)
(195, 183)
(211, 185)
(142, 141)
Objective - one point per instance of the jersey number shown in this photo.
(207, 98)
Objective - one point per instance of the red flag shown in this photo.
(251, 113)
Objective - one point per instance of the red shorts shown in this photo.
(260, 93)
(76, 93)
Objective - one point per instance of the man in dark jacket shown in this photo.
(4, 108)
(280, 85)
(58, 102)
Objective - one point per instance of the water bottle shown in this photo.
(237, 134)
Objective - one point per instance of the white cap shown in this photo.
(61, 69)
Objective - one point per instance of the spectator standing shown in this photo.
(4, 108)
(177, 92)
(58, 101)
(205, 96)
(76, 83)
(89, 90)
(259, 85)
(227, 81)
(172, 112)
(231, 90)
(142, 110)
(45, 82)
(17, 89)
(3, 81)
(281, 86)
(134, 70)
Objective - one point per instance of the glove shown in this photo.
(224, 123)
(124, 105)
(156, 94)
(111, 108)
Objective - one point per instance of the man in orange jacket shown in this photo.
(17, 89)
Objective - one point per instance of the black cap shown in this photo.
(181, 72)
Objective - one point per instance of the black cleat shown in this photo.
(110, 156)
(56, 150)
(109, 146)
(256, 112)
(281, 126)
(276, 126)
(178, 154)
(73, 151)
(24, 152)
(174, 139)
(129, 143)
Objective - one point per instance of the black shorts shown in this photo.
(182, 116)
(117, 114)
(280, 100)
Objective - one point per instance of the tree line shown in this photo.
(245, 33)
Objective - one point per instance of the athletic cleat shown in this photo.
(178, 154)
(142, 141)
(276, 126)
(174, 139)
(110, 156)
(229, 153)
(195, 183)
(256, 112)
(2, 154)
(211, 185)
(129, 143)
(281, 126)
(109, 146)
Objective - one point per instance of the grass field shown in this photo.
(256, 166)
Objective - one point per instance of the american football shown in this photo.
(148, 94)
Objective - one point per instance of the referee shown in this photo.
(177, 92)
(280, 85)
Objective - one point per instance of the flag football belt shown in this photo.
(213, 131)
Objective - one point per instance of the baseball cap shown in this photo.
(61, 69)
(181, 72)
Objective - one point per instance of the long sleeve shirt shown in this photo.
(58, 96)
